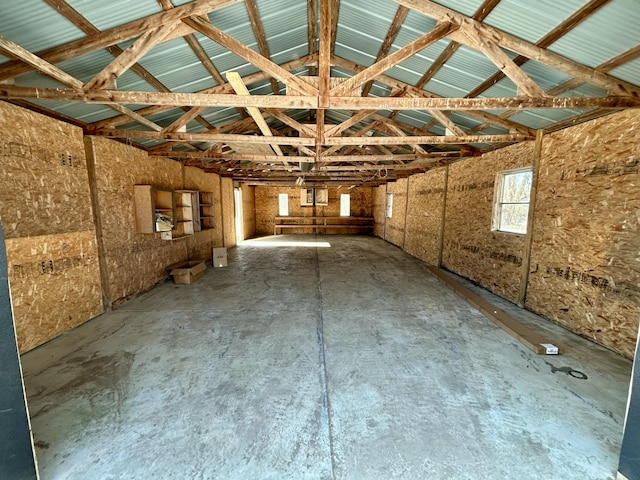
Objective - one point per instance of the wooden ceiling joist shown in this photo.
(9, 92)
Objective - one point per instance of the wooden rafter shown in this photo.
(116, 35)
(249, 55)
(523, 82)
(418, 93)
(378, 68)
(129, 57)
(394, 29)
(258, 31)
(236, 81)
(562, 29)
(524, 48)
(89, 29)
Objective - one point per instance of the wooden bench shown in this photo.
(321, 223)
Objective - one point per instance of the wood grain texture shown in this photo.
(379, 210)
(266, 200)
(249, 211)
(424, 215)
(394, 232)
(585, 267)
(471, 249)
(45, 210)
(228, 213)
(135, 262)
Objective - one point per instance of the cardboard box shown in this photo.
(188, 272)
(219, 257)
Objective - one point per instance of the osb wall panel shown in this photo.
(55, 284)
(471, 249)
(228, 213)
(199, 245)
(45, 210)
(44, 175)
(248, 211)
(266, 201)
(135, 262)
(585, 265)
(424, 215)
(379, 210)
(394, 231)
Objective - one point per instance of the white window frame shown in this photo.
(389, 205)
(345, 205)
(283, 205)
(498, 203)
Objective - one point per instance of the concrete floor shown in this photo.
(310, 362)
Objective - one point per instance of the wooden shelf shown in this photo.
(206, 212)
(150, 202)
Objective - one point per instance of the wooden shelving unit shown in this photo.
(186, 211)
(150, 203)
(206, 213)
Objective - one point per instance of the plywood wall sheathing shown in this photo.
(228, 213)
(394, 232)
(135, 262)
(585, 262)
(471, 249)
(424, 215)
(249, 211)
(267, 208)
(379, 210)
(45, 210)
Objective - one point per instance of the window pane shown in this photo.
(345, 205)
(513, 218)
(516, 187)
(283, 205)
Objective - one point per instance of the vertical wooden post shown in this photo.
(443, 214)
(528, 240)
(97, 221)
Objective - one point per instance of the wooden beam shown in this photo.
(415, 92)
(130, 56)
(16, 51)
(219, 89)
(312, 30)
(287, 120)
(250, 55)
(89, 29)
(324, 60)
(116, 35)
(482, 12)
(560, 30)
(348, 123)
(9, 92)
(258, 31)
(523, 82)
(431, 140)
(64, 78)
(394, 29)
(524, 48)
(335, 12)
(236, 81)
(442, 29)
